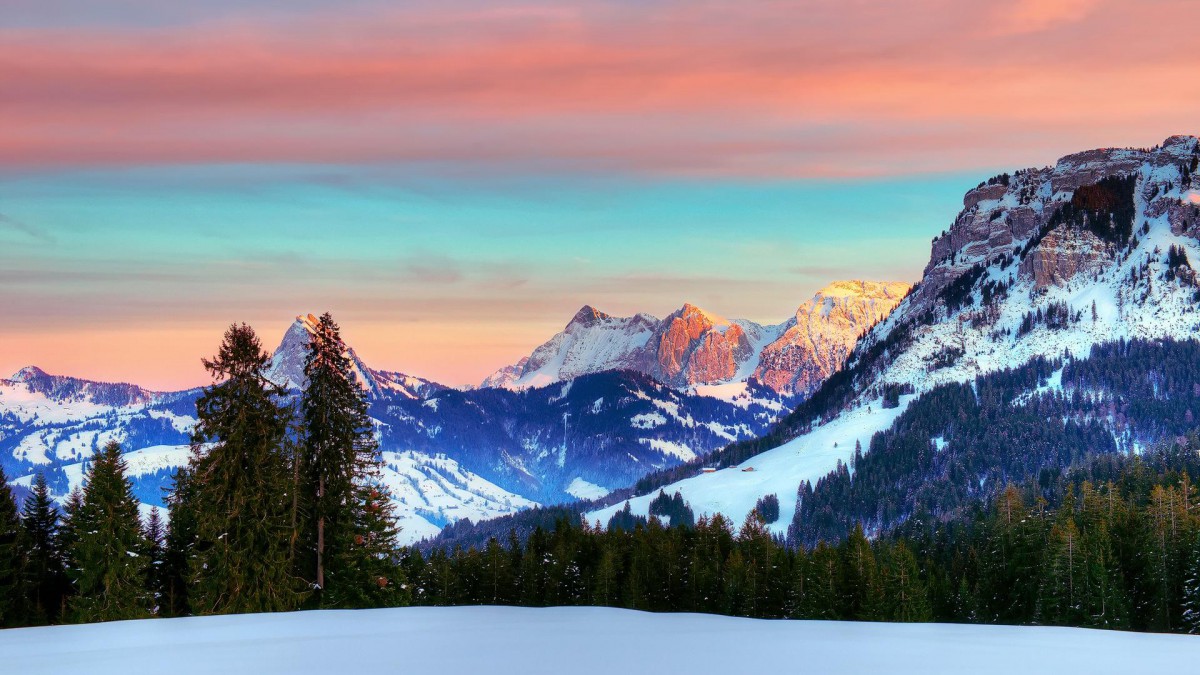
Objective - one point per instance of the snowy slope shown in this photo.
(577, 640)
(733, 491)
(430, 492)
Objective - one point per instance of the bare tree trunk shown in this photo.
(321, 538)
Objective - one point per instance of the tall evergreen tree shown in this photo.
(179, 547)
(108, 561)
(67, 534)
(11, 558)
(350, 525)
(44, 574)
(155, 535)
(239, 487)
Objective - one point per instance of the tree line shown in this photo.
(1116, 545)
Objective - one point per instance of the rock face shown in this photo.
(1062, 254)
(1011, 210)
(692, 347)
(818, 339)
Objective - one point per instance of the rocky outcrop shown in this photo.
(695, 347)
(1047, 262)
(1005, 213)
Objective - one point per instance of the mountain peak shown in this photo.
(28, 373)
(689, 312)
(588, 316)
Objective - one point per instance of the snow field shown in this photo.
(576, 640)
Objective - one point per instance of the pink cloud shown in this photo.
(772, 88)
(1031, 16)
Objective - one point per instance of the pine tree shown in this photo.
(108, 561)
(239, 487)
(350, 527)
(11, 557)
(822, 590)
(44, 574)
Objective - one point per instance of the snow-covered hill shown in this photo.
(1042, 263)
(694, 348)
(578, 640)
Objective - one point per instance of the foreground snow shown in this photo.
(581, 640)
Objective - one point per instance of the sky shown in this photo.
(454, 179)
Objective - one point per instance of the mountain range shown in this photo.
(693, 348)
(601, 410)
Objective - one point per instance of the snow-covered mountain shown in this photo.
(53, 424)
(450, 454)
(695, 348)
(1053, 264)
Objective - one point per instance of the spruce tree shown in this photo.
(179, 548)
(239, 487)
(907, 595)
(350, 524)
(155, 535)
(11, 558)
(108, 561)
(44, 574)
